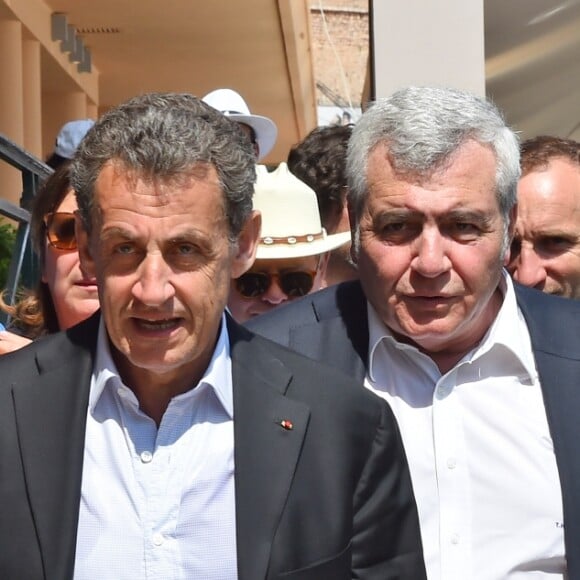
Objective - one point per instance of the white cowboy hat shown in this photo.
(232, 105)
(291, 226)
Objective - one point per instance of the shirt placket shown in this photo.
(452, 480)
(164, 488)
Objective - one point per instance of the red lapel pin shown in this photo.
(286, 424)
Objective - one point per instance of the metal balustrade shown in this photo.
(23, 269)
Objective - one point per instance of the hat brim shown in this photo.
(264, 128)
(302, 249)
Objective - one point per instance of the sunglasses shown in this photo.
(293, 284)
(60, 230)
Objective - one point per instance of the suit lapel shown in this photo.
(266, 453)
(50, 414)
(341, 335)
(325, 342)
(560, 379)
(554, 333)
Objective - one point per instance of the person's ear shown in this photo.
(86, 260)
(247, 244)
(320, 279)
(354, 233)
(513, 218)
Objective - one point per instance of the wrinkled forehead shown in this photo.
(122, 171)
(117, 174)
(196, 192)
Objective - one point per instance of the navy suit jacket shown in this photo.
(332, 326)
(328, 499)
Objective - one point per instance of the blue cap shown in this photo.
(70, 135)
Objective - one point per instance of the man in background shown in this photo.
(319, 160)
(261, 131)
(293, 250)
(67, 141)
(545, 251)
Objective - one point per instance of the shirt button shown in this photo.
(455, 539)
(158, 539)
(452, 463)
(146, 457)
(442, 391)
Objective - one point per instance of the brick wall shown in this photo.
(347, 27)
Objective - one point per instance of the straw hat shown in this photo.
(291, 226)
(233, 106)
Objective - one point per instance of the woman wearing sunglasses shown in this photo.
(293, 251)
(64, 295)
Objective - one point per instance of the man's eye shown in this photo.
(465, 227)
(555, 243)
(186, 249)
(394, 227)
(124, 249)
(398, 232)
(464, 231)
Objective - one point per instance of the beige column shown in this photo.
(92, 110)
(32, 97)
(424, 42)
(11, 108)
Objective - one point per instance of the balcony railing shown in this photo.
(23, 265)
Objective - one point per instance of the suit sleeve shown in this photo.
(386, 543)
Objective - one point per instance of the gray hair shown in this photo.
(422, 127)
(166, 136)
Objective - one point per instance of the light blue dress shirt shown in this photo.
(158, 503)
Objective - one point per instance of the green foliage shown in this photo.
(7, 239)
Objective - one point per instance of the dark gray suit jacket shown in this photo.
(332, 326)
(329, 499)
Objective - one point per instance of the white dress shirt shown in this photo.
(158, 503)
(480, 453)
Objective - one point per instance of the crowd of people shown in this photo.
(361, 363)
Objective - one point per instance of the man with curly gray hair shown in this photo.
(160, 439)
(482, 374)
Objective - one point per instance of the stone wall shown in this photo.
(345, 40)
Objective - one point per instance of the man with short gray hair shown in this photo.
(482, 375)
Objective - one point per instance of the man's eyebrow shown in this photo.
(117, 232)
(395, 214)
(190, 234)
(556, 232)
(203, 241)
(474, 215)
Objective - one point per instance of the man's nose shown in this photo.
(274, 294)
(152, 286)
(431, 259)
(528, 268)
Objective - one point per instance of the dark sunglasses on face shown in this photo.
(60, 230)
(293, 284)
